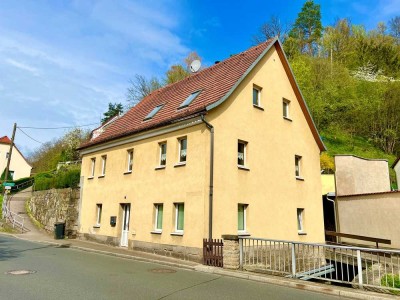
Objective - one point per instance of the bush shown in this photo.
(391, 280)
(64, 178)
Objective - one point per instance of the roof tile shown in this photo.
(214, 81)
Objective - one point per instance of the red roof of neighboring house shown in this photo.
(215, 83)
(367, 194)
(5, 140)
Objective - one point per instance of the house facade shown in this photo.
(231, 149)
(19, 166)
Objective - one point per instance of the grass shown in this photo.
(391, 280)
(339, 142)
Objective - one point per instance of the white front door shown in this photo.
(125, 224)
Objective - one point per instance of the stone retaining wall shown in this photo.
(51, 206)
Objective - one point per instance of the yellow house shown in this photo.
(232, 149)
(19, 166)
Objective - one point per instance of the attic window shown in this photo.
(153, 112)
(189, 99)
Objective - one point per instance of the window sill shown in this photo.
(177, 233)
(101, 176)
(182, 164)
(287, 119)
(302, 233)
(156, 232)
(244, 234)
(96, 226)
(258, 107)
(159, 168)
(243, 168)
(127, 172)
(91, 177)
(299, 178)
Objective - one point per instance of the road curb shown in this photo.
(312, 287)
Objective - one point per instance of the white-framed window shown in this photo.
(158, 218)
(256, 96)
(153, 112)
(300, 219)
(103, 164)
(93, 166)
(99, 208)
(241, 156)
(242, 218)
(163, 154)
(286, 108)
(182, 150)
(130, 160)
(179, 217)
(297, 165)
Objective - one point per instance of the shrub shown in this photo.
(391, 280)
(63, 178)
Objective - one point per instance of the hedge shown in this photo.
(61, 179)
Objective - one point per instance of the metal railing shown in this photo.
(15, 219)
(374, 269)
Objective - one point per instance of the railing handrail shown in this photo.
(322, 245)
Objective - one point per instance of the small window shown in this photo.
(242, 218)
(286, 106)
(182, 150)
(179, 217)
(103, 164)
(11, 174)
(93, 165)
(163, 154)
(7, 154)
(256, 96)
(297, 164)
(189, 99)
(153, 112)
(242, 153)
(130, 160)
(159, 208)
(99, 208)
(300, 219)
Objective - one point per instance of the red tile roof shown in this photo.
(5, 140)
(214, 82)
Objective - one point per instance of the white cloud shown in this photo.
(22, 66)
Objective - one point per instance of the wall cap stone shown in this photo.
(230, 237)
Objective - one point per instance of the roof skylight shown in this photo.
(153, 112)
(189, 99)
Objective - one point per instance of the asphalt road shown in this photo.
(64, 273)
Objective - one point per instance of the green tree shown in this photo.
(307, 30)
(114, 109)
(394, 27)
(176, 73)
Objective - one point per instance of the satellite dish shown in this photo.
(195, 66)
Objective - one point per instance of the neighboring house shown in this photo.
(231, 149)
(396, 168)
(365, 204)
(19, 166)
(99, 130)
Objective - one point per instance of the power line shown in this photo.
(19, 128)
(65, 127)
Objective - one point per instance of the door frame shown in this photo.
(126, 210)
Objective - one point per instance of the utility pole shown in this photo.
(10, 152)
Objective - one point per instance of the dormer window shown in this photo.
(153, 112)
(189, 99)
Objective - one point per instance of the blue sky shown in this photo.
(62, 62)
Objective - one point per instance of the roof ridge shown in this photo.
(212, 66)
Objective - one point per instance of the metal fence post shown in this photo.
(240, 254)
(359, 267)
(293, 260)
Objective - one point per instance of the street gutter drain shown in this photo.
(162, 271)
(20, 272)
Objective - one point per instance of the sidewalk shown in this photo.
(40, 236)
